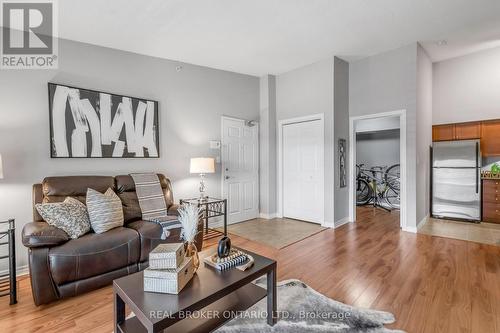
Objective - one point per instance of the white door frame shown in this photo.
(223, 170)
(402, 156)
(296, 120)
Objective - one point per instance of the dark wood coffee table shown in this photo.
(211, 297)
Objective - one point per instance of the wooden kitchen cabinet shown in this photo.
(443, 132)
(490, 138)
(462, 131)
(491, 200)
(468, 131)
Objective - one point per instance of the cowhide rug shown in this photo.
(303, 309)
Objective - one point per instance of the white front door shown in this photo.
(303, 171)
(240, 169)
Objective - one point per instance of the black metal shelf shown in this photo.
(8, 283)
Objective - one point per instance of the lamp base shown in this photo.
(202, 197)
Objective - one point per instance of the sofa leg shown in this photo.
(42, 285)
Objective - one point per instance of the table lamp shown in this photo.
(1, 168)
(202, 166)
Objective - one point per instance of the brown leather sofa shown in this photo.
(62, 267)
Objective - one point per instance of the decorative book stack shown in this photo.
(169, 269)
(234, 259)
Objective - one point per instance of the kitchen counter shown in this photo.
(490, 176)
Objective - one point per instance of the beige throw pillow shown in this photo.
(105, 210)
(69, 215)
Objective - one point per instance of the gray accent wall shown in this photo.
(387, 82)
(267, 136)
(379, 148)
(308, 91)
(322, 87)
(191, 103)
(467, 88)
(424, 132)
(341, 125)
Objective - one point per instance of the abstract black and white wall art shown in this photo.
(342, 163)
(87, 123)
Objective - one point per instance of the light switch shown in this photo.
(214, 144)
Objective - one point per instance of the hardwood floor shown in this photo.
(431, 284)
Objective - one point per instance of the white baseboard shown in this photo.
(419, 225)
(268, 216)
(328, 224)
(410, 229)
(423, 221)
(341, 222)
(23, 270)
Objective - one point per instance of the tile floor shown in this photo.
(278, 233)
(486, 233)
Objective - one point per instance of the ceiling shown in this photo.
(260, 37)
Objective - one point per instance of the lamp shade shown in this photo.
(202, 165)
(1, 167)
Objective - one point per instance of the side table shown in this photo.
(8, 283)
(210, 207)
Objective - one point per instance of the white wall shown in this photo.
(467, 88)
(307, 91)
(191, 103)
(387, 82)
(378, 148)
(424, 132)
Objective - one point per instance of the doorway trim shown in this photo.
(281, 123)
(402, 161)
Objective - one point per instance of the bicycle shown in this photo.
(377, 185)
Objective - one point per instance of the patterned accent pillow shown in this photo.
(70, 216)
(105, 210)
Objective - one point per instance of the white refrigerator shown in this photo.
(456, 180)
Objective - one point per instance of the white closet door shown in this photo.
(303, 188)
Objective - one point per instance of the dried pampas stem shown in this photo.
(189, 216)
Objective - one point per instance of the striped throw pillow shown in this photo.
(105, 210)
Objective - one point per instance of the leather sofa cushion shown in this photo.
(131, 209)
(94, 282)
(125, 188)
(150, 236)
(75, 186)
(94, 254)
(57, 189)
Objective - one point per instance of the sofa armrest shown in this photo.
(40, 234)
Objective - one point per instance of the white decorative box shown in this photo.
(167, 256)
(169, 281)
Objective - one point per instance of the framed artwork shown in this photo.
(92, 124)
(342, 163)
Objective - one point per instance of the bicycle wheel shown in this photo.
(392, 198)
(392, 177)
(363, 192)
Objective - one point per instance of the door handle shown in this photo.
(227, 177)
(477, 167)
